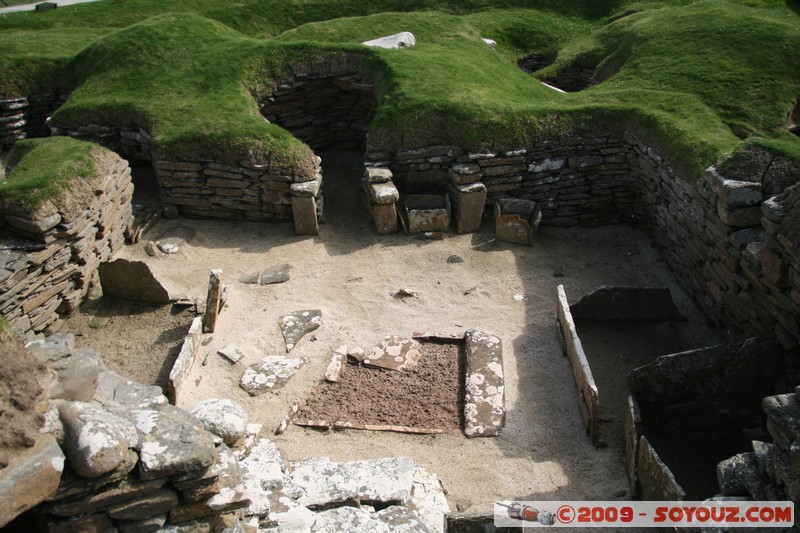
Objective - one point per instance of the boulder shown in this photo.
(224, 418)
(171, 442)
(96, 442)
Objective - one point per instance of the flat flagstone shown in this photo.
(273, 274)
(394, 353)
(231, 353)
(324, 482)
(270, 374)
(484, 404)
(297, 324)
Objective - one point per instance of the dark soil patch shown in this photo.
(428, 396)
(21, 377)
(140, 341)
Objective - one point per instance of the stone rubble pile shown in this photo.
(48, 265)
(115, 454)
(772, 470)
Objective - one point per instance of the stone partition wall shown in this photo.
(48, 265)
(25, 117)
(205, 189)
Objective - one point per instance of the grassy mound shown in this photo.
(43, 169)
(696, 79)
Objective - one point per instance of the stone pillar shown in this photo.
(468, 194)
(468, 200)
(304, 204)
(380, 196)
(213, 301)
(304, 212)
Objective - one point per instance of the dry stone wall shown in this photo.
(48, 264)
(730, 235)
(25, 117)
(326, 113)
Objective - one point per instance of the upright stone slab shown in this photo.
(185, 361)
(656, 481)
(633, 431)
(213, 301)
(484, 404)
(516, 220)
(469, 201)
(304, 212)
(131, 280)
(627, 304)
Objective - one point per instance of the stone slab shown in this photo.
(627, 304)
(394, 353)
(127, 489)
(428, 500)
(397, 41)
(213, 301)
(295, 325)
(377, 174)
(656, 481)
(268, 276)
(153, 504)
(324, 482)
(516, 221)
(588, 395)
(222, 417)
(484, 402)
(131, 280)
(469, 201)
(30, 478)
(714, 375)
(334, 368)
(185, 360)
(304, 214)
(633, 431)
(424, 213)
(385, 218)
(272, 373)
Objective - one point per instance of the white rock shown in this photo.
(403, 39)
(491, 43)
(223, 418)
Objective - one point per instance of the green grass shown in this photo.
(695, 78)
(43, 169)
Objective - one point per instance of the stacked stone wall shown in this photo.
(325, 113)
(26, 117)
(731, 241)
(48, 265)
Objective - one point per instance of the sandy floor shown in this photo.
(350, 273)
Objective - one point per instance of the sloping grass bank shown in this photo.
(696, 78)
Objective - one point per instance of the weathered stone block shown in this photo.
(385, 218)
(469, 201)
(377, 174)
(131, 280)
(484, 402)
(30, 478)
(516, 220)
(382, 193)
(185, 360)
(304, 213)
